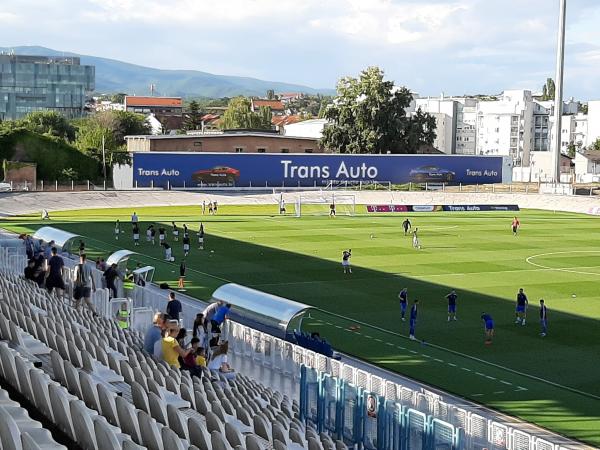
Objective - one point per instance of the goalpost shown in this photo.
(320, 205)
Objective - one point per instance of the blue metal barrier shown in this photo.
(366, 420)
(349, 406)
(329, 398)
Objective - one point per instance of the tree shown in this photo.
(368, 115)
(193, 117)
(595, 146)
(271, 94)
(571, 150)
(49, 123)
(239, 115)
(548, 90)
(118, 98)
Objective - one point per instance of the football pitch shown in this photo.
(553, 381)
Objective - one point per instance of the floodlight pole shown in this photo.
(558, 93)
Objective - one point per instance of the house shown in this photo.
(287, 97)
(280, 122)
(587, 166)
(277, 107)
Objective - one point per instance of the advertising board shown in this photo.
(238, 169)
(434, 208)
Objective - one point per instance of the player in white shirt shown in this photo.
(415, 242)
(346, 255)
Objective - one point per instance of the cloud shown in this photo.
(455, 46)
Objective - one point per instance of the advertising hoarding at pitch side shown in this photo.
(235, 169)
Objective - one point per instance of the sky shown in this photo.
(451, 46)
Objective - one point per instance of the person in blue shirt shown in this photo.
(489, 327)
(543, 318)
(403, 296)
(521, 309)
(452, 297)
(219, 317)
(413, 319)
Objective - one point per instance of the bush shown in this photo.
(52, 155)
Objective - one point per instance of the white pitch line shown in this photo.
(560, 269)
(499, 392)
(506, 382)
(452, 364)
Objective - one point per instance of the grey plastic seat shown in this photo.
(130, 445)
(158, 408)
(166, 396)
(83, 425)
(73, 383)
(39, 385)
(252, 443)
(171, 441)
(314, 444)
(296, 436)
(11, 434)
(199, 435)
(107, 404)
(30, 443)
(89, 390)
(59, 399)
(9, 368)
(187, 393)
(150, 432)
(219, 442)
(128, 419)
(27, 342)
(261, 428)
(107, 436)
(24, 368)
(140, 398)
(177, 422)
(339, 445)
(233, 435)
(202, 405)
(278, 445)
(99, 371)
(213, 423)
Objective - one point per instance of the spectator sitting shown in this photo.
(218, 362)
(154, 333)
(171, 350)
(181, 337)
(195, 358)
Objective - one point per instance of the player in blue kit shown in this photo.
(413, 319)
(521, 309)
(403, 296)
(452, 297)
(489, 327)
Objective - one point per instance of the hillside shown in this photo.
(117, 76)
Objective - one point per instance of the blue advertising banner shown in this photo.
(435, 208)
(235, 169)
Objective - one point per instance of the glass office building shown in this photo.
(41, 83)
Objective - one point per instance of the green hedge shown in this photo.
(51, 155)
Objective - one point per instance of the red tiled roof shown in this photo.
(132, 100)
(285, 120)
(209, 117)
(275, 105)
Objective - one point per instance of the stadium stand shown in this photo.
(96, 388)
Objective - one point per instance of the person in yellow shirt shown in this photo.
(170, 347)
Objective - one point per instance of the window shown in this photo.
(308, 150)
(285, 150)
(261, 150)
(239, 149)
(198, 144)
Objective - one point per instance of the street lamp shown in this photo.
(558, 94)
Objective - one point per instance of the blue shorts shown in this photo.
(489, 325)
(451, 308)
(403, 306)
(520, 308)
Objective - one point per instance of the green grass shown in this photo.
(552, 381)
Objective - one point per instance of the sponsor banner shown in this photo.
(387, 208)
(434, 208)
(254, 169)
(481, 208)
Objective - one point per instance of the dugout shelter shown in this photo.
(63, 240)
(269, 313)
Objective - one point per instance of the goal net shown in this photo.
(321, 205)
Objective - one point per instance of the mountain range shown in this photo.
(114, 76)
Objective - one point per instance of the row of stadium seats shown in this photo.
(89, 378)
